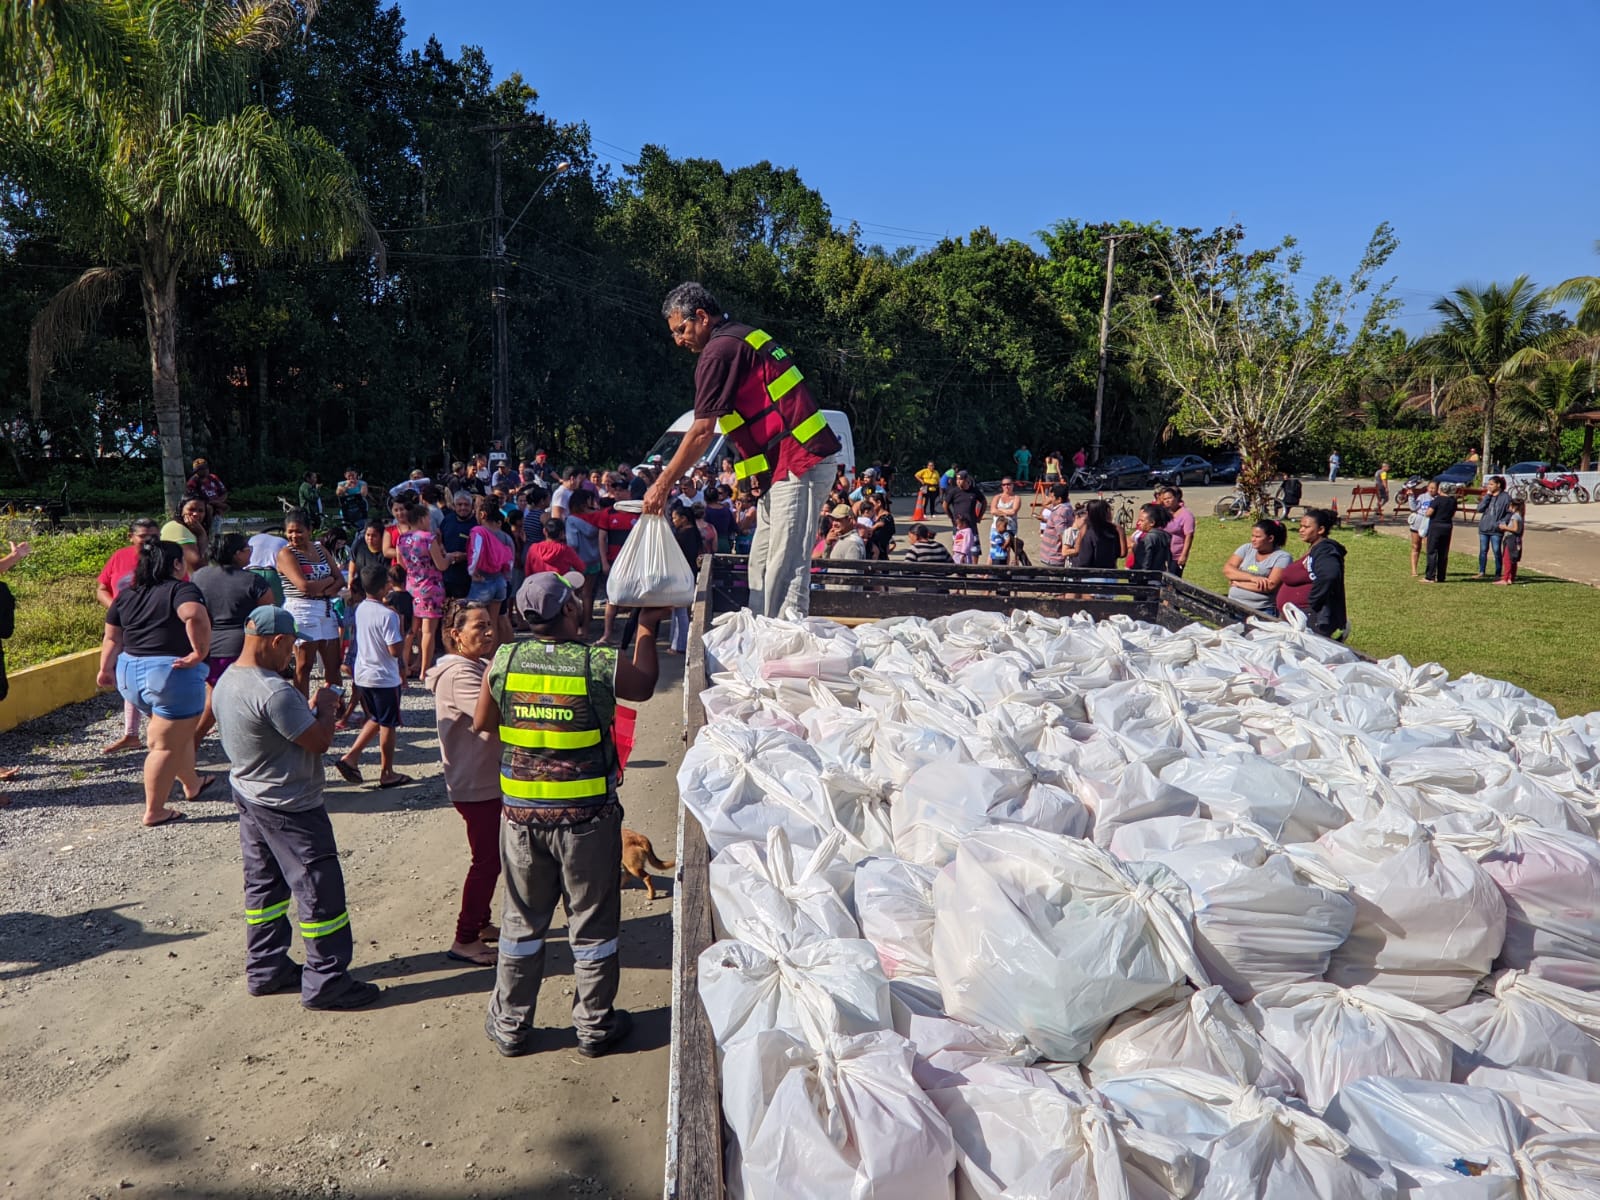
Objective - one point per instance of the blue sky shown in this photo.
(1462, 123)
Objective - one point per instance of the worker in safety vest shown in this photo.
(748, 387)
(553, 701)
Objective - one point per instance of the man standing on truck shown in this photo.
(749, 387)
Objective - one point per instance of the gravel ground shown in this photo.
(71, 842)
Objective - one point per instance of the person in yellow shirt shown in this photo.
(928, 477)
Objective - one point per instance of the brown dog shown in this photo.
(637, 854)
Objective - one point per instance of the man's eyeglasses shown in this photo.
(678, 330)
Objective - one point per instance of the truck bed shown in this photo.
(850, 591)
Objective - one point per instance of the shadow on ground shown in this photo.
(165, 1155)
(33, 943)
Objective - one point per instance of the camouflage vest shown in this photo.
(556, 713)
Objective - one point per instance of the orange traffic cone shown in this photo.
(916, 513)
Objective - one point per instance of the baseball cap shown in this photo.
(864, 522)
(269, 621)
(541, 596)
(841, 512)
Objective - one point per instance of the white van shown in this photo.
(667, 445)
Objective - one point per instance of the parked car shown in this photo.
(1462, 474)
(1123, 470)
(1181, 469)
(1226, 469)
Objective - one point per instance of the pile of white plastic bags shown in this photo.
(1028, 907)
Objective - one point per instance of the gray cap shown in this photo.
(541, 596)
(269, 621)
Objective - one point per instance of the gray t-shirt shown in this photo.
(1262, 565)
(259, 715)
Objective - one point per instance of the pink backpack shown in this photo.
(494, 556)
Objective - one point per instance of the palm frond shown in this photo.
(65, 321)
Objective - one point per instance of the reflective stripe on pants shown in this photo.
(293, 855)
(780, 555)
(540, 865)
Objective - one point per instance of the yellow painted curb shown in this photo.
(36, 691)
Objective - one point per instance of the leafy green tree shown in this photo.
(1546, 394)
(1253, 362)
(130, 123)
(1485, 337)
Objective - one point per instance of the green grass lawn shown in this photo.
(54, 586)
(1542, 635)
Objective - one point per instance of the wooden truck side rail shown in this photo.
(849, 591)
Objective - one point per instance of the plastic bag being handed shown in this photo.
(1051, 938)
(651, 571)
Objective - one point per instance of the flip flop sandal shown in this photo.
(471, 962)
(175, 815)
(205, 782)
(351, 775)
(397, 781)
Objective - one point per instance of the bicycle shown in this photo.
(1236, 504)
(1083, 479)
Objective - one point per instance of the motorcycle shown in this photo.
(1552, 489)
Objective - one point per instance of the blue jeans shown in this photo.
(1488, 551)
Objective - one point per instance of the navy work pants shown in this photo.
(290, 858)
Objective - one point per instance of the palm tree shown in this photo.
(1545, 395)
(1584, 291)
(1486, 336)
(129, 124)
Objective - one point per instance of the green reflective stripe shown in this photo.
(747, 467)
(552, 789)
(261, 916)
(547, 685)
(810, 427)
(549, 739)
(730, 422)
(780, 353)
(784, 384)
(316, 929)
(757, 338)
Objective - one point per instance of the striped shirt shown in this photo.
(930, 551)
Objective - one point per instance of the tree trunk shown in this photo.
(261, 407)
(1257, 460)
(1489, 404)
(158, 284)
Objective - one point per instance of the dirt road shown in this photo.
(134, 1063)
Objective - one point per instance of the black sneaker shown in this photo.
(357, 995)
(507, 1049)
(286, 980)
(622, 1027)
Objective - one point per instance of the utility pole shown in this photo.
(1111, 241)
(501, 400)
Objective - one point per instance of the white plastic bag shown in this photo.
(1553, 1102)
(1263, 916)
(1444, 1139)
(810, 992)
(1525, 1021)
(1017, 1140)
(1249, 788)
(780, 898)
(1429, 921)
(894, 899)
(651, 571)
(944, 802)
(1551, 882)
(847, 1121)
(1332, 1035)
(1254, 1146)
(1205, 1031)
(1051, 938)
